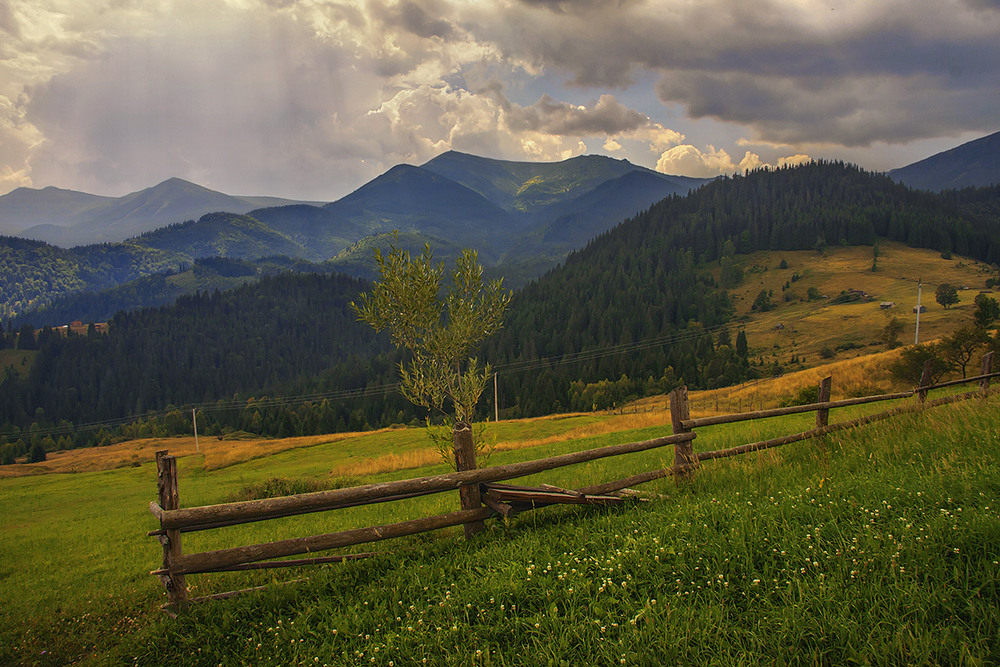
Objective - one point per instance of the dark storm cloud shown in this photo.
(851, 73)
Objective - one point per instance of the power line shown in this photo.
(380, 389)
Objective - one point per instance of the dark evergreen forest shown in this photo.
(636, 312)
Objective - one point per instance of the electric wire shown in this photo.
(376, 390)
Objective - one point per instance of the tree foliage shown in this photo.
(439, 334)
(946, 295)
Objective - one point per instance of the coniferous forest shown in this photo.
(637, 311)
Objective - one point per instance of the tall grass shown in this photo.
(876, 546)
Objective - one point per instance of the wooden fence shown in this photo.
(481, 495)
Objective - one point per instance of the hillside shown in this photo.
(33, 274)
(658, 277)
(663, 299)
(862, 529)
(973, 164)
(221, 235)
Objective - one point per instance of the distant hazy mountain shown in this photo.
(68, 218)
(973, 164)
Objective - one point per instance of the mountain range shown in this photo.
(69, 218)
(523, 217)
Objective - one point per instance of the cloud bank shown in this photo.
(311, 98)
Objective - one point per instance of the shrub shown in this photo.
(276, 487)
(804, 396)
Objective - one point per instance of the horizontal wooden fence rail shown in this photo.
(271, 508)
(481, 495)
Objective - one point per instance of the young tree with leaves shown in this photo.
(439, 334)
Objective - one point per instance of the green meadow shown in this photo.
(878, 545)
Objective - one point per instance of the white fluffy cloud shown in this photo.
(688, 160)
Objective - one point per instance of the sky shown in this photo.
(310, 99)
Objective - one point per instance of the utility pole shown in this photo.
(916, 332)
(496, 404)
(194, 420)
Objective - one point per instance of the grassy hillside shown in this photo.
(807, 327)
(897, 522)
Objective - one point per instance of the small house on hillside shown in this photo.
(886, 305)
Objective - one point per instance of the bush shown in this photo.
(7, 454)
(762, 303)
(276, 487)
(804, 396)
(827, 353)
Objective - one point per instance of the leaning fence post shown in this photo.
(987, 368)
(465, 459)
(680, 411)
(823, 414)
(169, 499)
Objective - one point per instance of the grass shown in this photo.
(877, 546)
(810, 326)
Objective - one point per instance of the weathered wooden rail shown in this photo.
(481, 494)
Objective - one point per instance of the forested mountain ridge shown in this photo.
(655, 286)
(650, 276)
(33, 273)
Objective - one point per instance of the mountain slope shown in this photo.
(33, 273)
(68, 218)
(655, 276)
(26, 207)
(413, 199)
(526, 187)
(221, 235)
(973, 164)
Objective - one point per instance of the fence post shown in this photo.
(465, 459)
(823, 416)
(987, 368)
(925, 380)
(169, 499)
(680, 411)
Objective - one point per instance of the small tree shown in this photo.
(987, 311)
(37, 453)
(909, 367)
(946, 295)
(891, 332)
(762, 303)
(439, 334)
(960, 347)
